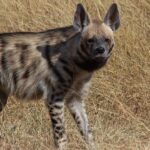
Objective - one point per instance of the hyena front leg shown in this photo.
(77, 109)
(3, 99)
(56, 111)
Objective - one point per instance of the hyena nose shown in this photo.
(100, 50)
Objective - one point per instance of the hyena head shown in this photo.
(97, 39)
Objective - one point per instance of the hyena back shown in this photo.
(57, 65)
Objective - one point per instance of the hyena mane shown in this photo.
(24, 64)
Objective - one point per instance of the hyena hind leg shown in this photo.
(3, 99)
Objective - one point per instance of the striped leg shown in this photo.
(56, 111)
(76, 107)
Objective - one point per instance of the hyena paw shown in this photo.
(91, 146)
(90, 142)
(61, 143)
(88, 137)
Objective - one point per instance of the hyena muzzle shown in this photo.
(57, 66)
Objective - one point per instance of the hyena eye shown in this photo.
(90, 41)
(107, 40)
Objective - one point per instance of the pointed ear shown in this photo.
(81, 18)
(112, 18)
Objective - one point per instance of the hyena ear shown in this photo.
(112, 18)
(81, 18)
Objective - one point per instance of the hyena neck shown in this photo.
(58, 35)
(88, 64)
(67, 31)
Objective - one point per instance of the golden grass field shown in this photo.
(119, 102)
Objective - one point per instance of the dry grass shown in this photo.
(119, 103)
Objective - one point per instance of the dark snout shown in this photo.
(102, 51)
(99, 50)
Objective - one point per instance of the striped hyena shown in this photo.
(57, 65)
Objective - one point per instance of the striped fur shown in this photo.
(55, 65)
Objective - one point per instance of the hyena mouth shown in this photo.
(102, 57)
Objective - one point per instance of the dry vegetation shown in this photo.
(119, 102)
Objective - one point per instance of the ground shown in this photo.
(119, 102)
